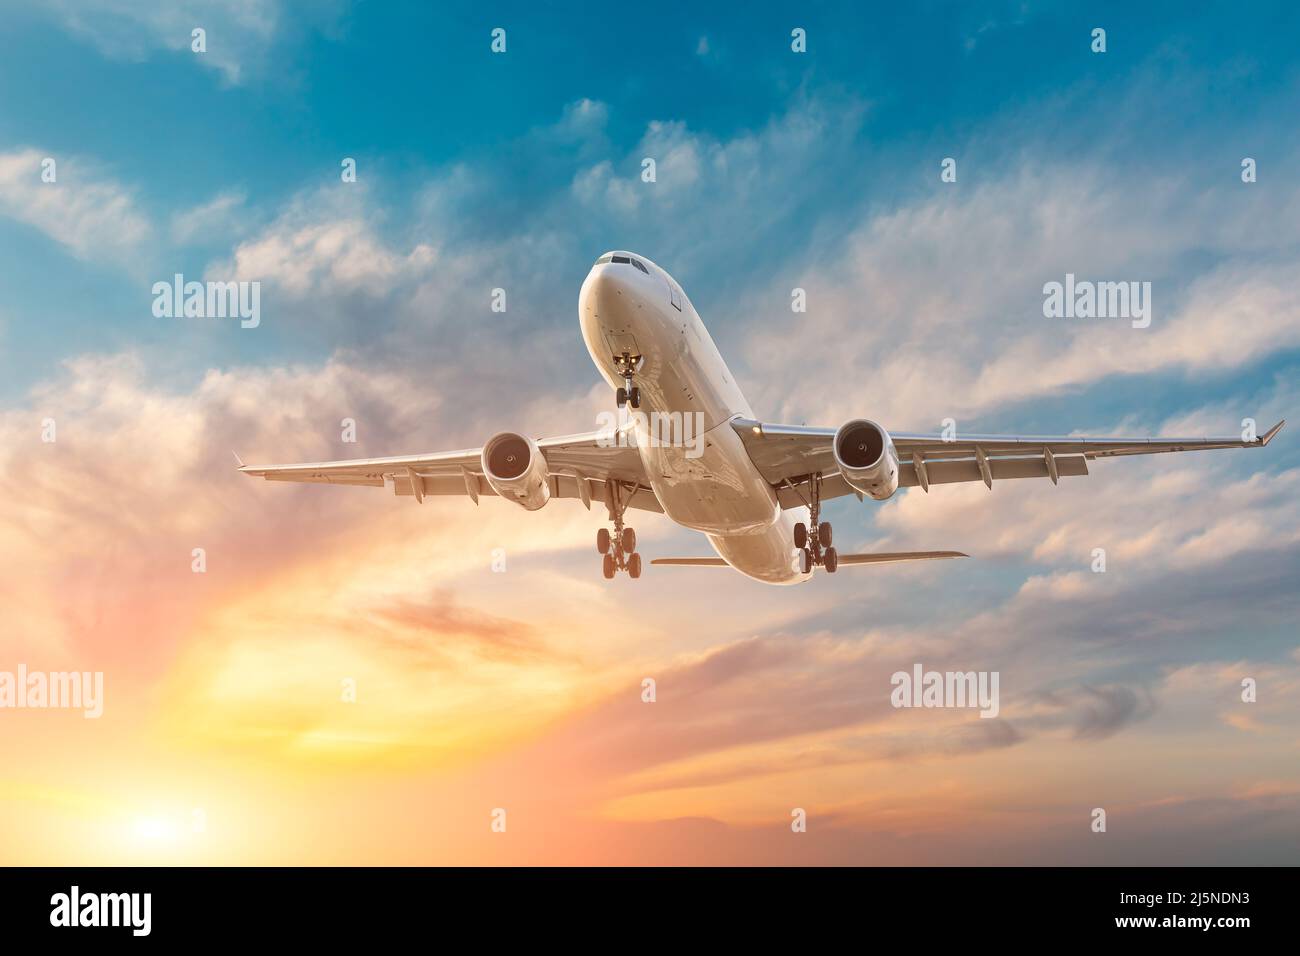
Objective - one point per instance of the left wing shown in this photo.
(789, 454)
(580, 466)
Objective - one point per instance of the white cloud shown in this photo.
(222, 218)
(1136, 509)
(237, 30)
(938, 304)
(583, 117)
(84, 210)
(706, 187)
(322, 244)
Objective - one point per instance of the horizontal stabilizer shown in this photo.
(691, 562)
(885, 557)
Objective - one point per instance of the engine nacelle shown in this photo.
(867, 459)
(513, 465)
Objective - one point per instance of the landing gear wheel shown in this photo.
(815, 537)
(619, 545)
(634, 397)
(621, 396)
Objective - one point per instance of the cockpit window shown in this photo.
(623, 260)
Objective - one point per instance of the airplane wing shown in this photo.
(788, 454)
(580, 466)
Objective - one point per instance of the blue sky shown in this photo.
(776, 170)
(410, 91)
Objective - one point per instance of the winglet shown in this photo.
(1268, 435)
(238, 461)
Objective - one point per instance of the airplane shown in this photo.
(753, 488)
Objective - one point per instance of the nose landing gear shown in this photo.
(627, 364)
(815, 541)
(618, 548)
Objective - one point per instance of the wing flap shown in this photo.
(948, 472)
(945, 473)
(375, 482)
(562, 486)
(439, 485)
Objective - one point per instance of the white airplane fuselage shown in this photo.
(715, 489)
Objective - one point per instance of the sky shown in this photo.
(227, 734)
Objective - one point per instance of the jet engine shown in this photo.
(867, 458)
(513, 465)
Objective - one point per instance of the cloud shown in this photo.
(487, 634)
(224, 217)
(476, 684)
(301, 587)
(238, 33)
(84, 210)
(1135, 509)
(722, 206)
(1096, 712)
(582, 118)
(947, 289)
(324, 244)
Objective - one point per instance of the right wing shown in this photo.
(787, 455)
(582, 466)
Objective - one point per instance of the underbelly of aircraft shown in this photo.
(710, 485)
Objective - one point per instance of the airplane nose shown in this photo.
(610, 294)
(609, 280)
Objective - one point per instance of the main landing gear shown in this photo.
(627, 364)
(815, 541)
(618, 548)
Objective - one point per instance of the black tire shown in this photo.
(807, 561)
(621, 396)
(629, 541)
(608, 566)
(634, 397)
(831, 560)
(634, 565)
(801, 535)
(602, 541)
(824, 534)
